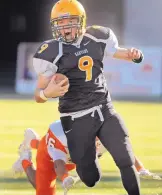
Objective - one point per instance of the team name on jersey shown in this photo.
(78, 53)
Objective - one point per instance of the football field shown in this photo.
(144, 121)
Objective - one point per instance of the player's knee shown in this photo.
(90, 183)
(91, 180)
(89, 174)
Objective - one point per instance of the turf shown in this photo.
(143, 120)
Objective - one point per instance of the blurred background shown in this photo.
(24, 24)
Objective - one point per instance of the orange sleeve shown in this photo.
(53, 141)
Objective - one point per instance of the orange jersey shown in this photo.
(52, 146)
(56, 143)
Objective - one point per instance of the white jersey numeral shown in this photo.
(50, 141)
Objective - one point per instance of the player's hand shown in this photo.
(56, 90)
(69, 182)
(146, 174)
(134, 54)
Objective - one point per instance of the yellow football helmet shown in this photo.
(70, 9)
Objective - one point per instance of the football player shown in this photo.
(53, 160)
(85, 105)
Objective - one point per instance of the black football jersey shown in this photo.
(82, 63)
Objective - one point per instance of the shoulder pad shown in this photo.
(48, 50)
(99, 32)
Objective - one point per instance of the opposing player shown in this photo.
(85, 107)
(52, 160)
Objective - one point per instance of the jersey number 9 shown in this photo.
(86, 64)
(43, 47)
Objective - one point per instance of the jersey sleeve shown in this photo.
(111, 44)
(45, 58)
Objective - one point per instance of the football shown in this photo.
(60, 77)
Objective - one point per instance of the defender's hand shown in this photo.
(69, 182)
(56, 90)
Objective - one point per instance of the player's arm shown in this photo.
(59, 159)
(60, 169)
(47, 88)
(31, 175)
(57, 155)
(130, 54)
(68, 181)
(42, 84)
(46, 69)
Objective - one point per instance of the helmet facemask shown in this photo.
(63, 32)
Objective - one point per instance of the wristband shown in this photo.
(42, 96)
(138, 60)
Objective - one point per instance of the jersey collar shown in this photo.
(77, 44)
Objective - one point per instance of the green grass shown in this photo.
(144, 122)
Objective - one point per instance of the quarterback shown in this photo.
(85, 105)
